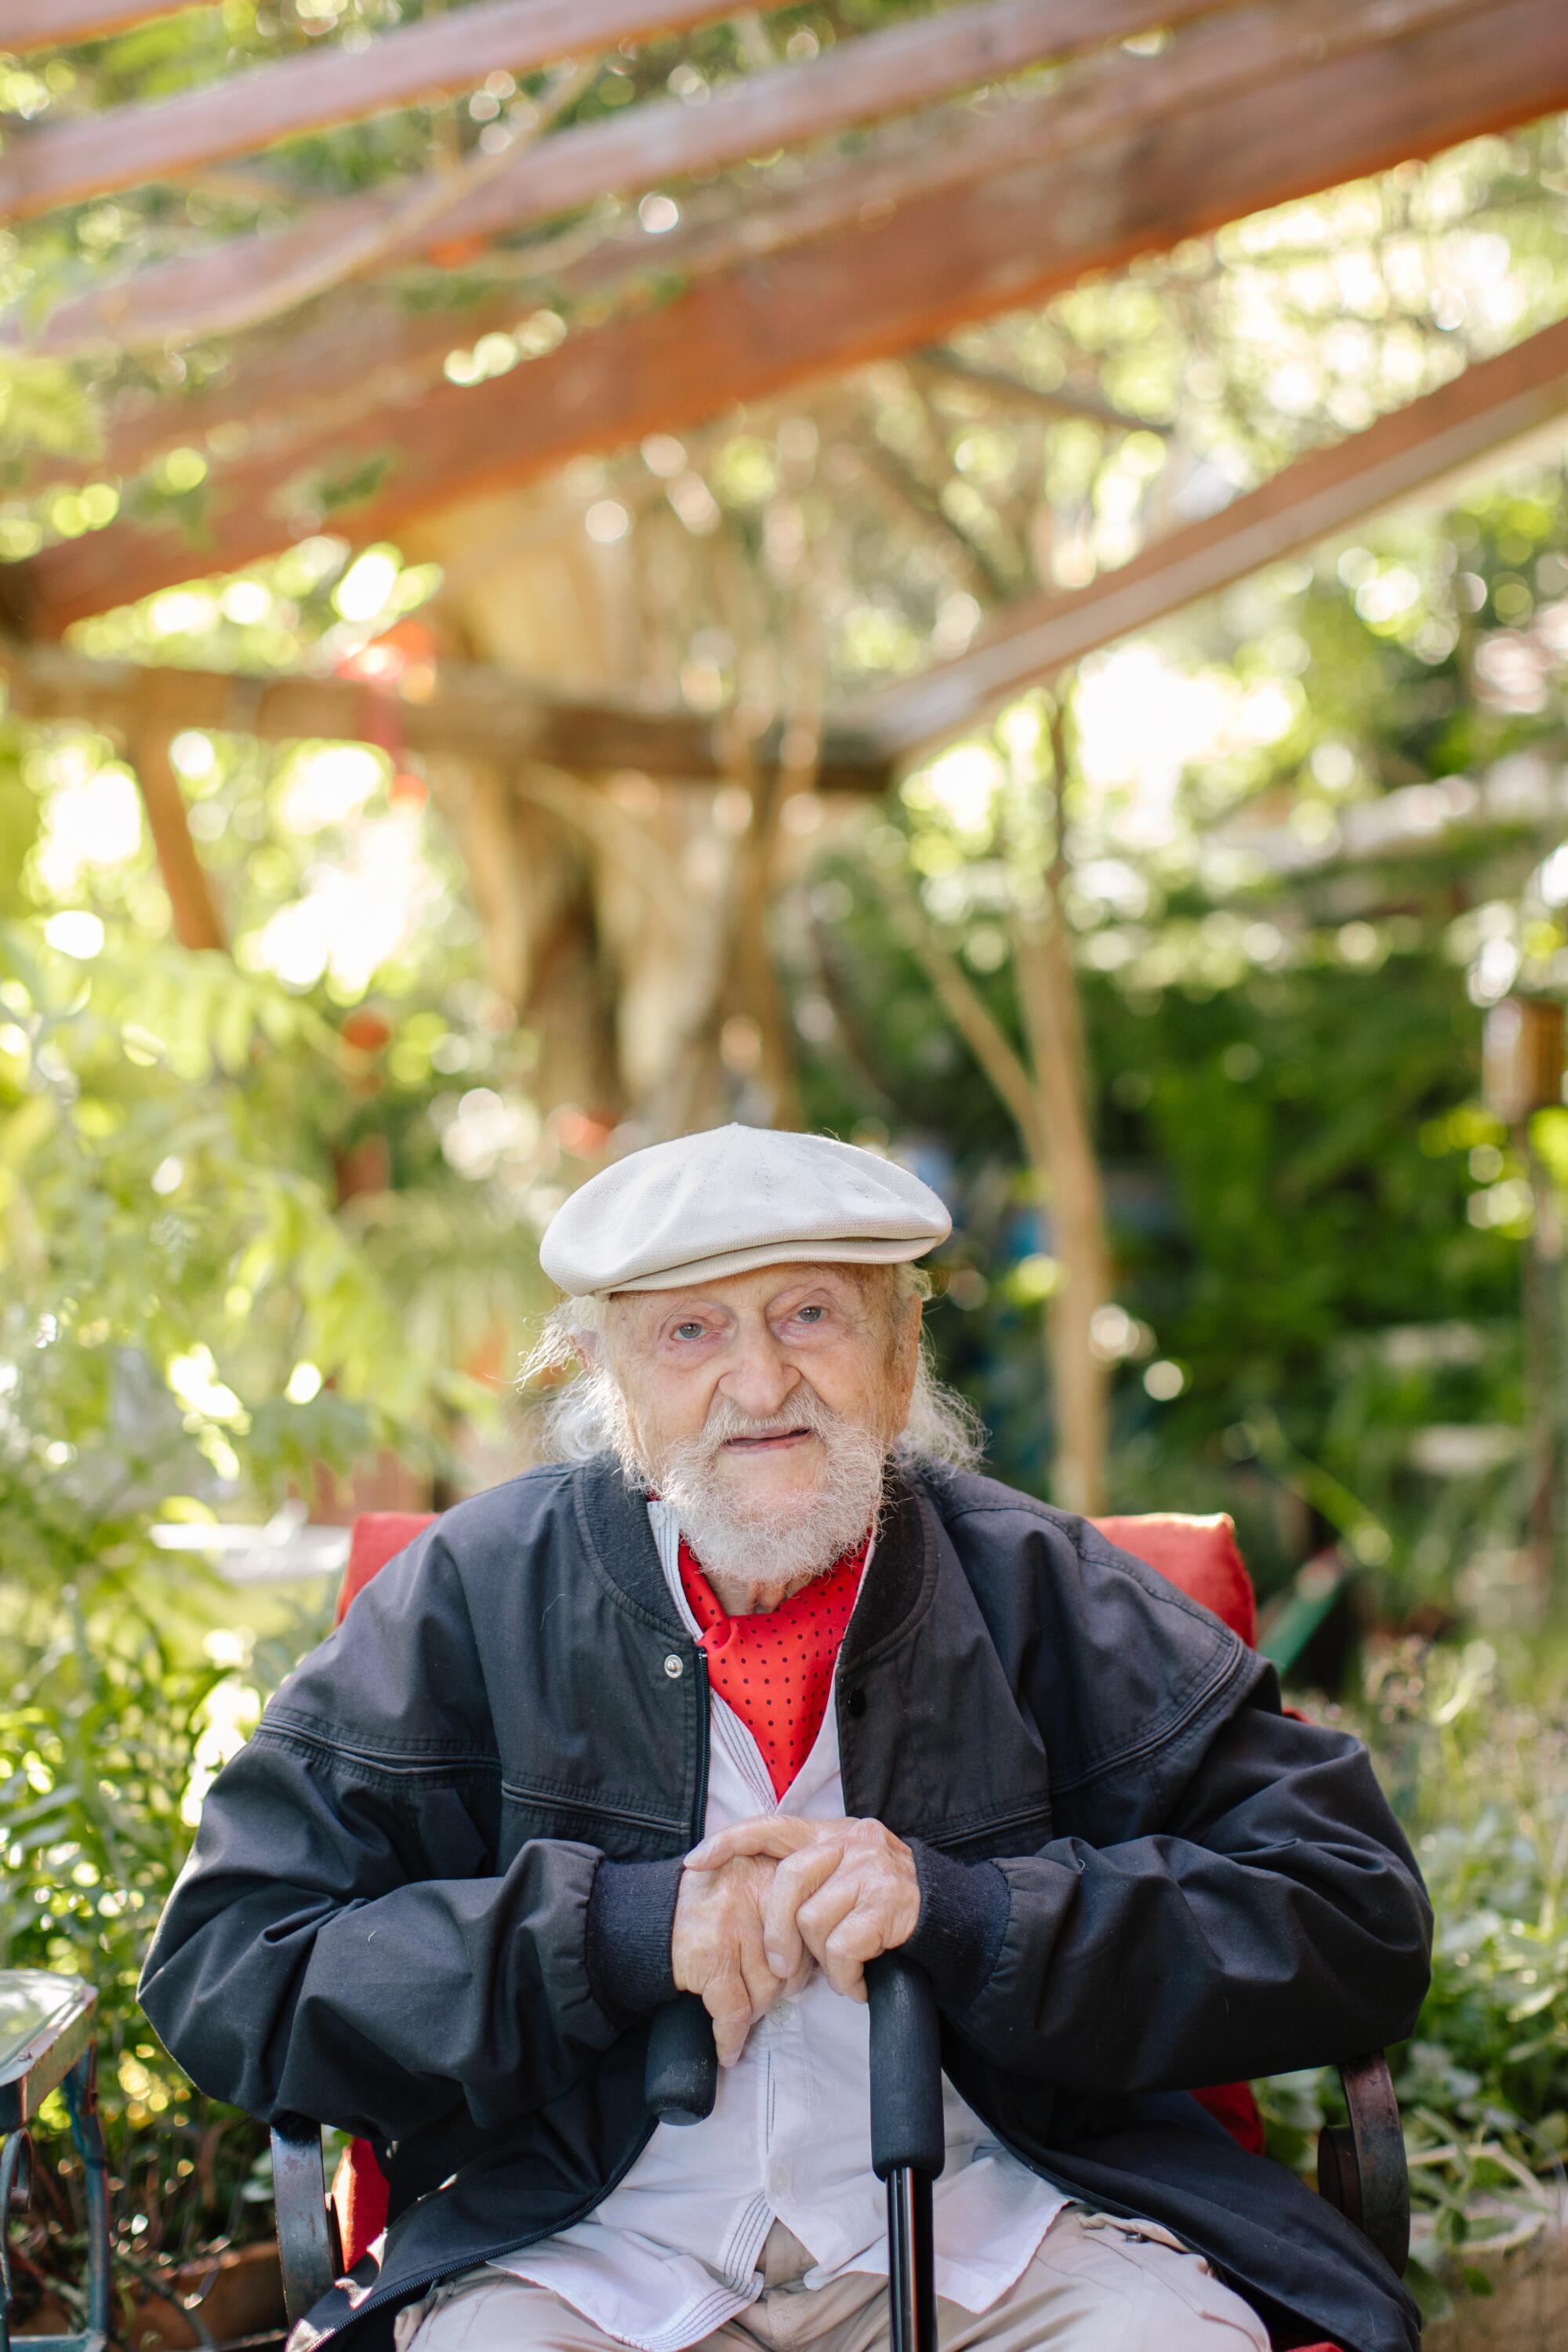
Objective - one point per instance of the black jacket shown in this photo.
(430, 1900)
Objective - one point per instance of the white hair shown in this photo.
(583, 1417)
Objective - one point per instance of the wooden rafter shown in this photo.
(279, 390)
(892, 286)
(483, 713)
(51, 24)
(285, 388)
(1494, 402)
(64, 162)
(234, 284)
(378, 353)
(469, 709)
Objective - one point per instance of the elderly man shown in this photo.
(760, 1682)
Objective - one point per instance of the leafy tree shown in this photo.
(1283, 960)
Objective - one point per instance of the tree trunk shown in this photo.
(1064, 1153)
(631, 936)
(1068, 1175)
(194, 908)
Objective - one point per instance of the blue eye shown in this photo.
(685, 1330)
(811, 1314)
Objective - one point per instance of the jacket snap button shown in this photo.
(857, 1702)
(674, 1666)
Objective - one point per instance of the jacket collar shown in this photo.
(614, 1516)
(899, 1575)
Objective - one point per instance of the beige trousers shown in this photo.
(1095, 2285)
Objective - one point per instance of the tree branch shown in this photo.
(968, 1012)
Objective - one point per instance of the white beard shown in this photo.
(750, 1546)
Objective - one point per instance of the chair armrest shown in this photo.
(1361, 2165)
(308, 2246)
(45, 2028)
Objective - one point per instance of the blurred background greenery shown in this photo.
(269, 1209)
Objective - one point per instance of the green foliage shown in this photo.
(1472, 1743)
(1316, 1228)
(246, 1235)
(107, 1739)
(166, 1262)
(168, 1256)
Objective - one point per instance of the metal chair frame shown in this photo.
(1361, 2169)
(47, 2044)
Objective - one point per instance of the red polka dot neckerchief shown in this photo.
(775, 1669)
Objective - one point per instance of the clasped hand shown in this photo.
(765, 1901)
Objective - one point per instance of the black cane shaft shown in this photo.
(682, 2078)
(908, 2140)
(911, 2271)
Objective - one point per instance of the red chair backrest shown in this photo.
(1199, 1555)
(374, 1539)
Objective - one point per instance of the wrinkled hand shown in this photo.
(841, 1892)
(717, 1949)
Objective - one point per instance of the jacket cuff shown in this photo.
(631, 1918)
(965, 1908)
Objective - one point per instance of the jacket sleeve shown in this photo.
(1278, 1921)
(343, 1942)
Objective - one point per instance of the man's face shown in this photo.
(762, 1348)
(763, 1405)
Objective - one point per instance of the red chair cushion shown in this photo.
(1199, 1555)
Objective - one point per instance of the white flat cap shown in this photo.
(732, 1198)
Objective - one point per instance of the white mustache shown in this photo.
(804, 1410)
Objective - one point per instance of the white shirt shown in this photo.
(672, 2252)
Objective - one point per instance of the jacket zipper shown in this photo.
(474, 2262)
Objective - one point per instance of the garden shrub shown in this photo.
(1471, 1744)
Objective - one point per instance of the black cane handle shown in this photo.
(907, 2128)
(682, 2081)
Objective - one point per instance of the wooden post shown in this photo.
(1047, 1092)
(197, 923)
(1522, 1073)
(1064, 1159)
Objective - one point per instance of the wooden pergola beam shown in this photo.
(278, 390)
(485, 714)
(882, 287)
(379, 353)
(1492, 403)
(482, 713)
(54, 24)
(472, 710)
(66, 162)
(659, 142)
